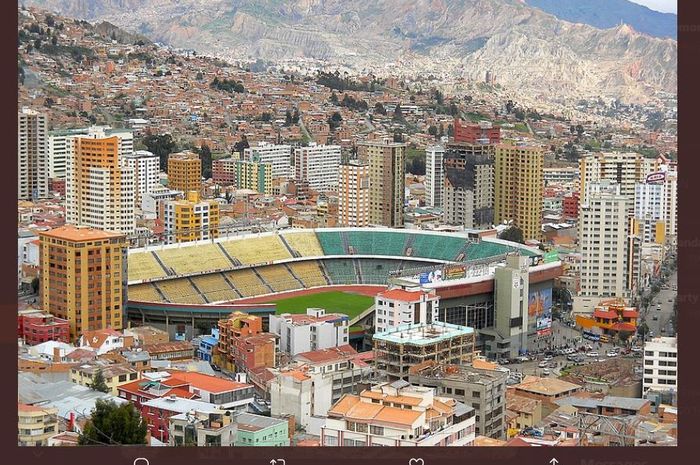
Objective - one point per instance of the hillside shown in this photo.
(528, 50)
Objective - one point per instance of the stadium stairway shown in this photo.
(358, 270)
(346, 243)
(301, 283)
(262, 280)
(409, 244)
(293, 252)
(228, 281)
(324, 271)
(233, 260)
(204, 295)
(160, 293)
(167, 269)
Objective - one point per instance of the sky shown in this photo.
(665, 6)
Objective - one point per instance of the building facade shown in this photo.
(387, 172)
(278, 156)
(434, 175)
(185, 172)
(100, 189)
(603, 236)
(396, 307)
(353, 194)
(314, 331)
(398, 349)
(35, 425)
(468, 197)
(191, 219)
(483, 133)
(253, 175)
(318, 165)
(519, 185)
(146, 168)
(398, 414)
(660, 365)
(32, 155)
(83, 278)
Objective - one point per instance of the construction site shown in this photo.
(399, 349)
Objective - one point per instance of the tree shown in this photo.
(199, 76)
(288, 118)
(37, 44)
(161, 145)
(112, 424)
(379, 108)
(241, 145)
(98, 382)
(643, 330)
(295, 116)
(205, 156)
(54, 41)
(433, 130)
(334, 98)
(510, 106)
(398, 136)
(439, 98)
(398, 113)
(513, 234)
(335, 120)
(579, 130)
(35, 285)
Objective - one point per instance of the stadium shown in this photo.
(181, 286)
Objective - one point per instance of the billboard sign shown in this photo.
(656, 178)
(455, 272)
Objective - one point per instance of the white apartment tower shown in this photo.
(353, 194)
(396, 307)
(434, 175)
(32, 155)
(317, 165)
(603, 231)
(660, 365)
(279, 156)
(625, 169)
(146, 168)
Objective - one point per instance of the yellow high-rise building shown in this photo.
(519, 184)
(191, 219)
(185, 172)
(83, 277)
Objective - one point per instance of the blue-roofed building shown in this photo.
(206, 346)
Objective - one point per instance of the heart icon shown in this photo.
(416, 462)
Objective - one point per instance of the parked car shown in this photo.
(655, 318)
(592, 354)
(611, 353)
(543, 364)
(546, 371)
(547, 358)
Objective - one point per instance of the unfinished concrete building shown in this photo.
(399, 349)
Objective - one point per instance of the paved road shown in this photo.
(665, 297)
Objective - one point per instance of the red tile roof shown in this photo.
(207, 382)
(401, 294)
(327, 355)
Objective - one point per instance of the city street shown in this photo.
(665, 297)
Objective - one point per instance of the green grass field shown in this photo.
(335, 301)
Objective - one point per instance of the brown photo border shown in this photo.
(688, 298)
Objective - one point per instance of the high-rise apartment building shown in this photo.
(100, 187)
(254, 175)
(279, 156)
(61, 145)
(396, 307)
(434, 175)
(317, 165)
(519, 184)
(83, 277)
(191, 219)
(650, 212)
(185, 172)
(387, 171)
(146, 167)
(468, 196)
(511, 295)
(224, 171)
(625, 169)
(32, 155)
(603, 234)
(353, 194)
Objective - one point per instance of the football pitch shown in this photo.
(334, 301)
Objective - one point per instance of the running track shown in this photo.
(368, 290)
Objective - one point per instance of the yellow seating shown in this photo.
(143, 265)
(247, 283)
(144, 292)
(180, 291)
(309, 272)
(214, 287)
(305, 243)
(194, 258)
(253, 250)
(279, 278)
